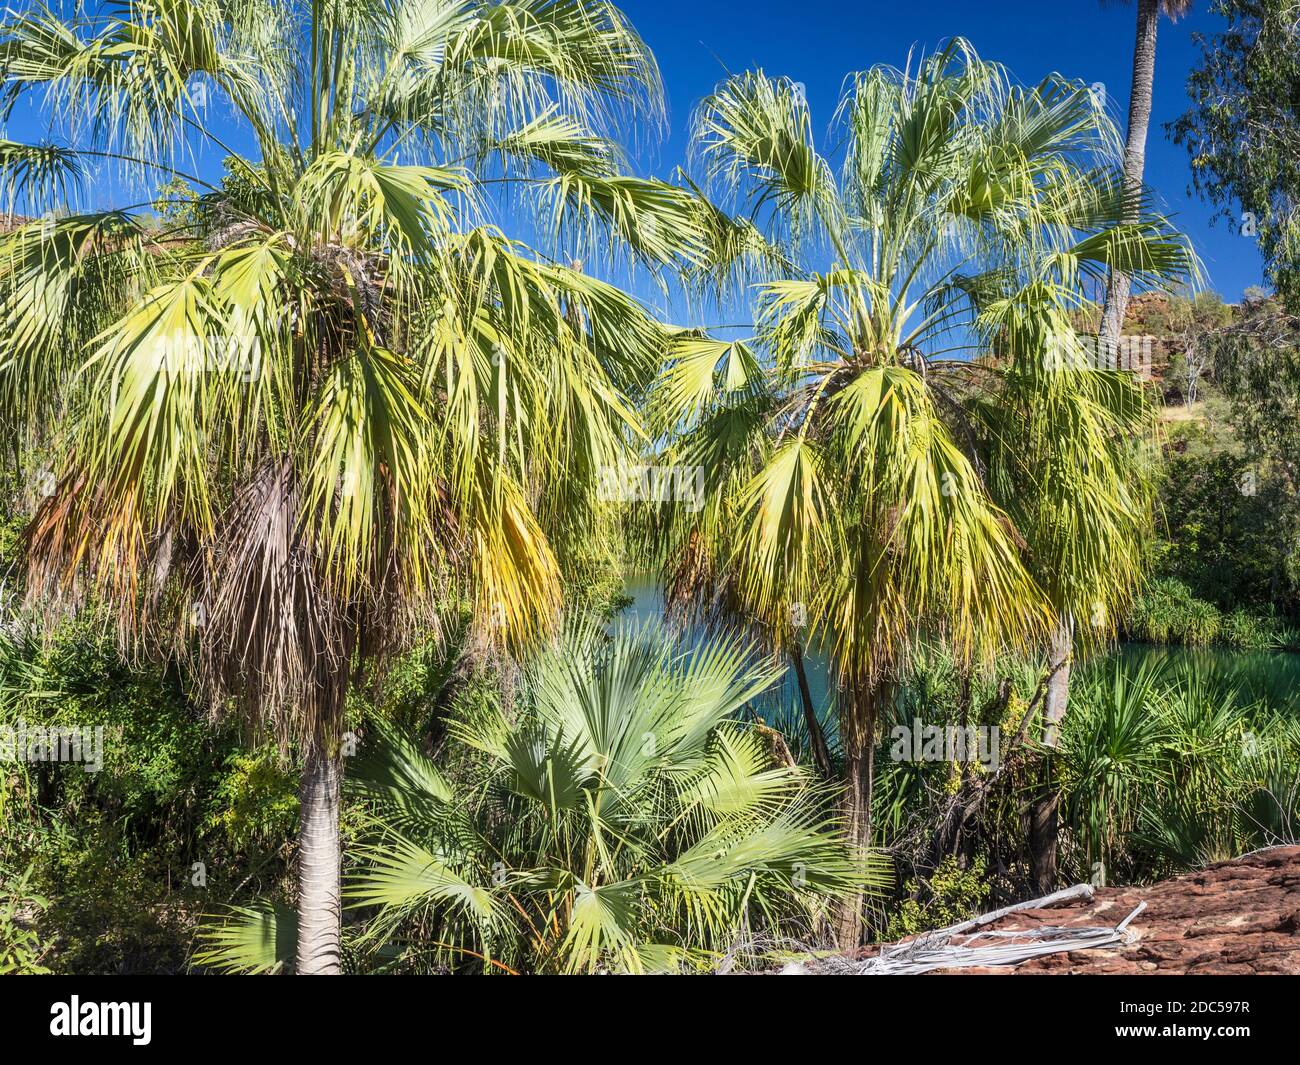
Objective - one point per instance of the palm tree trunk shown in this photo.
(319, 910)
(1135, 148)
(1043, 816)
(821, 750)
(963, 711)
(858, 716)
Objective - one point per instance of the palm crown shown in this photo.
(332, 392)
(968, 216)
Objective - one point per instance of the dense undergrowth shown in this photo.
(1161, 770)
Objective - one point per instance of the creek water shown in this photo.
(1273, 677)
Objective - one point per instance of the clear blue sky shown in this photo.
(817, 42)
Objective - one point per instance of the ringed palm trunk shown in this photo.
(1135, 148)
(319, 909)
(858, 718)
(1043, 816)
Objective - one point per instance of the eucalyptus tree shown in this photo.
(288, 430)
(1242, 131)
(845, 466)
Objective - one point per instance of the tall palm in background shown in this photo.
(333, 401)
(1119, 285)
(846, 475)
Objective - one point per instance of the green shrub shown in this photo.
(1111, 745)
(1224, 507)
(1158, 614)
(1168, 613)
(615, 817)
(1249, 632)
(1160, 770)
(1201, 623)
(21, 948)
(947, 896)
(180, 816)
(1169, 770)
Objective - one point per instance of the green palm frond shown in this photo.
(37, 173)
(753, 135)
(736, 779)
(601, 925)
(392, 771)
(630, 823)
(248, 940)
(402, 873)
(700, 371)
(62, 280)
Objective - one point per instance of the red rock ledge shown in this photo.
(1235, 918)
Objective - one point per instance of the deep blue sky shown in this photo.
(817, 42)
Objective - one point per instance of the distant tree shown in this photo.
(1192, 322)
(1221, 511)
(1256, 361)
(1243, 129)
(177, 206)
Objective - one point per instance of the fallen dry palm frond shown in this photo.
(962, 946)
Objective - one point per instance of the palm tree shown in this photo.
(294, 428)
(1135, 146)
(1069, 450)
(1118, 287)
(845, 476)
(617, 806)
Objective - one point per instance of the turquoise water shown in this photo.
(647, 607)
(1272, 677)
